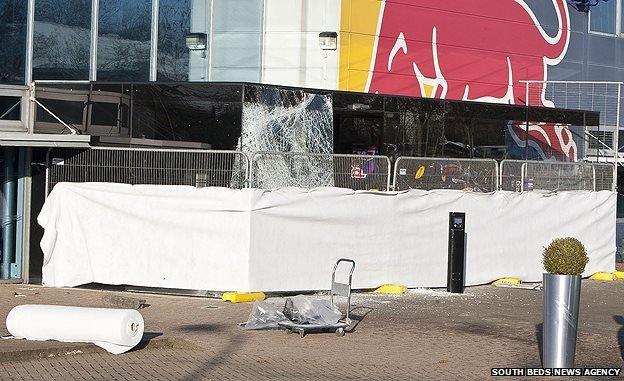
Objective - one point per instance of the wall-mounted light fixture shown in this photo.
(196, 41)
(328, 40)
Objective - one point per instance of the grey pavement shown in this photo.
(426, 334)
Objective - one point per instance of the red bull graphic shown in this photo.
(473, 50)
(544, 141)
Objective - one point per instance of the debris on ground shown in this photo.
(125, 302)
(298, 309)
(523, 286)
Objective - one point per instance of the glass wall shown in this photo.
(61, 39)
(236, 40)
(13, 37)
(174, 23)
(124, 32)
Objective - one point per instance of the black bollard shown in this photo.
(456, 253)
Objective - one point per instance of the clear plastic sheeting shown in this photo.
(299, 309)
(264, 316)
(303, 310)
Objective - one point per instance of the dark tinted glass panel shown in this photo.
(66, 102)
(68, 112)
(474, 138)
(206, 113)
(13, 38)
(62, 39)
(105, 114)
(10, 108)
(124, 40)
(414, 127)
(174, 23)
(110, 104)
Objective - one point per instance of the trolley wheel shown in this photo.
(340, 332)
(301, 333)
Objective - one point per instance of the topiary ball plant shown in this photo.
(565, 256)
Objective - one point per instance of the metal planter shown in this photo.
(561, 307)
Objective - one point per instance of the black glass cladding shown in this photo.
(403, 126)
(187, 112)
(388, 125)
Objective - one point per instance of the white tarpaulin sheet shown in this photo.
(286, 240)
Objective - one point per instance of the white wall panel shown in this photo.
(292, 55)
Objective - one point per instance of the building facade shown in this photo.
(72, 67)
(471, 50)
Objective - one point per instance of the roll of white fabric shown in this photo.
(116, 330)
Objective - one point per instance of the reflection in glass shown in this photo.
(13, 37)
(124, 40)
(236, 40)
(66, 102)
(602, 17)
(62, 39)
(173, 25)
(199, 112)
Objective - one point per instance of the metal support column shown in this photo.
(616, 135)
(8, 212)
(153, 73)
(16, 267)
(30, 33)
(95, 15)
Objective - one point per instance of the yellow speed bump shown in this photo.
(509, 281)
(391, 289)
(242, 297)
(618, 274)
(603, 276)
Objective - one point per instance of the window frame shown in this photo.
(619, 31)
(152, 73)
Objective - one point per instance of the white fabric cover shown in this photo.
(289, 239)
(115, 330)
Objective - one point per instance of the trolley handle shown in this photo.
(350, 272)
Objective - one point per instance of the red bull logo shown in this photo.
(472, 50)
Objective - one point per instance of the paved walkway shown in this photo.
(422, 335)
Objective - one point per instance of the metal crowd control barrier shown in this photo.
(521, 175)
(198, 168)
(511, 175)
(478, 175)
(271, 170)
(603, 176)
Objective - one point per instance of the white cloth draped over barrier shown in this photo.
(288, 239)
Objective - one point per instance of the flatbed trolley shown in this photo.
(337, 289)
